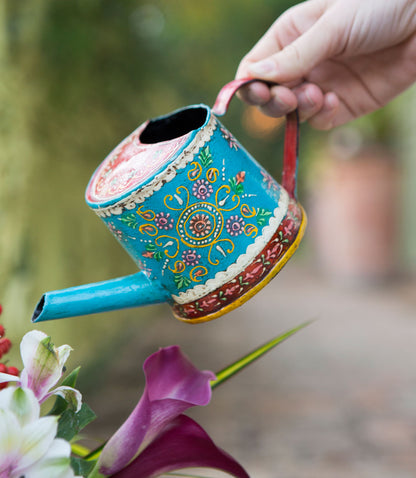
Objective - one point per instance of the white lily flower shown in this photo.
(43, 368)
(28, 446)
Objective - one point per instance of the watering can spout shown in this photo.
(130, 291)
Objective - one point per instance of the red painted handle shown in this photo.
(290, 151)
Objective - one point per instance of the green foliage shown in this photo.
(262, 216)
(130, 220)
(81, 466)
(71, 423)
(237, 188)
(181, 281)
(156, 253)
(205, 157)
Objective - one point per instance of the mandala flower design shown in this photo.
(200, 225)
(164, 221)
(235, 225)
(190, 257)
(202, 189)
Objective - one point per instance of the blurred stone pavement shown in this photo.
(337, 400)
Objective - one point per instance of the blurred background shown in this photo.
(339, 399)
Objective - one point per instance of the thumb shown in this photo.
(298, 58)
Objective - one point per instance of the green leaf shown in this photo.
(234, 368)
(71, 423)
(205, 157)
(130, 220)
(71, 379)
(262, 216)
(158, 255)
(236, 188)
(150, 247)
(181, 281)
(82, 467)
(95, 473)
(59, 406)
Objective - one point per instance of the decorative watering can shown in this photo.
(207, 226)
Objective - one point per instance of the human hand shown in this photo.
(334, 60)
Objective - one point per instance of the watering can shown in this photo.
(207, 226)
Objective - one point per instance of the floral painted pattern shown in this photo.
(235, 225)
(190, 257)
(164, 221)
(202, 189)
(200, 225)
(265, 264)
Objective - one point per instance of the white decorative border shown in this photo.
(137, 197)
(243, 261)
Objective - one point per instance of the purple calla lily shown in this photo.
(182, 444)
(156, 437)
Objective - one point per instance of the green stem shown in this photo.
(226, 373)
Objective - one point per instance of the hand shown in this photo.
(334, 60)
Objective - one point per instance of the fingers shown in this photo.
(279, 100)
(289, 26)
(327, 117)
(256, 93)
(282, 101)
(298, 58)
(322, 111)
(310, 100)
(299, 40)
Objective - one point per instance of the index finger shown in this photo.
(287, 28)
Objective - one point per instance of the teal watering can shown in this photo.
(206, 225)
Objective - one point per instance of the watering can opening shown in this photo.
(174, 125)
(38, 309)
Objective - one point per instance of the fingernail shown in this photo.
(264, 67)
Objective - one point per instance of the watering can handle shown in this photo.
(290, 152)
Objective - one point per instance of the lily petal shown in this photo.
(183, 444)
(62, 353)
(24, 405)
(173, 384)
(9, 440)
(6, 396)
(6, 377)
(43, 363)
(37, 439)
(56, 462)
(71, 395)
(170, 374)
